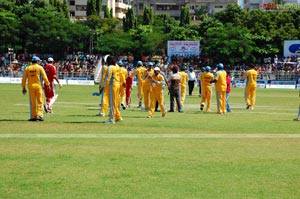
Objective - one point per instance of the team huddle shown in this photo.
(116, 85)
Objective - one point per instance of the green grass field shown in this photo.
(73, 154)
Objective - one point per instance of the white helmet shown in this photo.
(156, 69)
(50, 59)
(105, 58)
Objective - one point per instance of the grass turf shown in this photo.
(150, 167)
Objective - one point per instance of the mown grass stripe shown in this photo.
(151, 136)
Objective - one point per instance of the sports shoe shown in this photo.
(297, 119)
(248, 106)
(163, 114)
(149, 116)
(45, 108)
(39, 118)
(201, 107)
(100, 115)
(170, 110)
(119, 120)
(32, 119)
(109, 121)
(140, 105)
(123, 107)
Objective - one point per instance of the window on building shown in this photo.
(72, 3)
(141, 6)
(218, 6)
(81, 8)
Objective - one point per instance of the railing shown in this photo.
(274, 75)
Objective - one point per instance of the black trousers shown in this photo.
(191, 86)
(175, 95)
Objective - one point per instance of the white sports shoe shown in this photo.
(109, 121)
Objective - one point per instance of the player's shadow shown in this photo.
(12, 120)
(84, 122)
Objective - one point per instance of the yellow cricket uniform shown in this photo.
(105, 95)
(205, 79)
(250, 90)
(184, 79)
(221, 87)
(114, 78)
(139, 73)
(33, 75)
(123, 73)
(156, 94)
(146, 86)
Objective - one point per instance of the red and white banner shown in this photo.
(183, 48)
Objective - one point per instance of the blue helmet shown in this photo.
(139, 63)
(150, 63)
(207, 68)
(220, 66)
(120, 63)
(35, 59)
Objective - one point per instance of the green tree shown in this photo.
(183, 33)
(233, 14)
(21, 2)
(148, 16)
(228, 44)
(98, 7)
(166, 22)
(91, 8)
(65, 9)
(129, 21)
(115, 43)
(9, 29)
(185, 16)
(106, 12)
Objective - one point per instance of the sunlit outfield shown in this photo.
(184, 155)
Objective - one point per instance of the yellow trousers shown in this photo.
(206, 97)
(156, 95)
(250, 95)
(36, 102)
(221, 101)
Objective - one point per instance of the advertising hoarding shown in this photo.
(183, 48)
(291, 47)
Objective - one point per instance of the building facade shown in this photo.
(173, 7)
(77, 8)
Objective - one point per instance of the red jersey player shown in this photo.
(50, 94)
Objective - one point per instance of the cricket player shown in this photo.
(156, 93)
(139, 73)
(123, 73)
(33, 75)
(184, 79)
(250, 90)
(113, 78)
(104, 92)
(205, 78)
(129, 87)
(220, 86)
(50, 94)
(147, 76)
